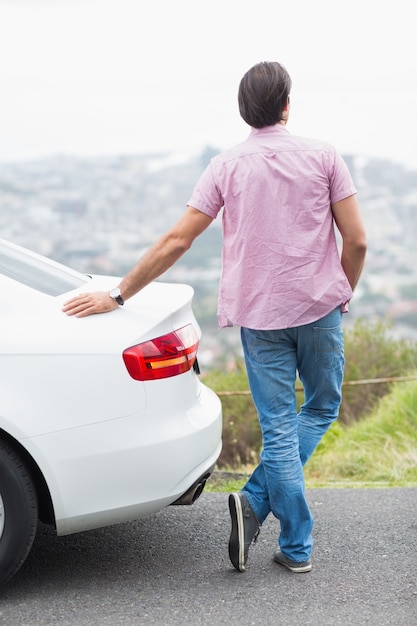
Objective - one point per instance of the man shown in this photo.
(285, 284)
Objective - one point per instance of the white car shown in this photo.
(102, 419)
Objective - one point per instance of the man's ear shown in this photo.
(286, 111)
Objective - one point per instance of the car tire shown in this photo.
(18, 512)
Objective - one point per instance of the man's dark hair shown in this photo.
(263, 94)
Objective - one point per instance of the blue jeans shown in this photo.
(272, 359)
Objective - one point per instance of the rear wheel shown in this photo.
(18, 512)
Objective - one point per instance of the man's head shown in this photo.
(263, 94)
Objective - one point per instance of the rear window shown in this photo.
(38, 272)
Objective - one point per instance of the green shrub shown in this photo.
(241, 433)
(371, 354)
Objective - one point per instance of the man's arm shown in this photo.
(349, 222)
(160, 257)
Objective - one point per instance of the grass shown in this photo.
(378, 451)
(226, 481)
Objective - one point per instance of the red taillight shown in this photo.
(165, 356)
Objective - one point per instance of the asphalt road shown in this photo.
(173, 568)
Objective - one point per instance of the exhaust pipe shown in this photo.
(193, 493)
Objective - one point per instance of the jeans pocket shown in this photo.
(328, 346)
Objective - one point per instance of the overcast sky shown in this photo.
(98, 77)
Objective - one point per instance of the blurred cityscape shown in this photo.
(98, 215)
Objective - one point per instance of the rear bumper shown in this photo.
(119, 470)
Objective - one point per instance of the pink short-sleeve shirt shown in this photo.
(280, 261)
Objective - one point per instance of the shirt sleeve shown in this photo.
(341, 183)
(206, 196)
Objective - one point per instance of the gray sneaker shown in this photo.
(294, 566)
(245, 529)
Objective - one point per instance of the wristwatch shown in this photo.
(116, 295)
